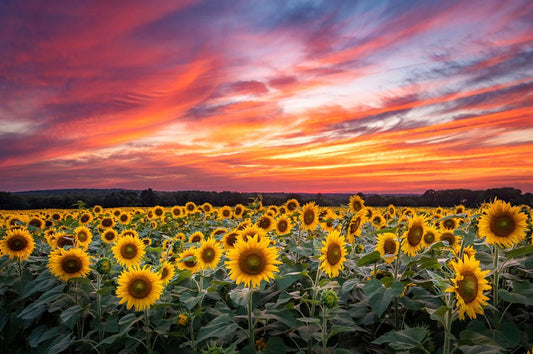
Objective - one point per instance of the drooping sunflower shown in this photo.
(454, 241)
(309, 216)
(139, 288)
(166, 272)
(468, 286)
(469, 251)
(356, 203)
(190, 208)
(187, 260)
(71, 263)
(109, 235)
(83, 236)
(431, 235)
(412, 238)
(388, 246)
(209, 254)
(283, 225)
(229, 239)
(129, 251)
(251, 262)
(333, 254)
(225, 213)
(18, 243)
(266, 223)
(354, 227)
(196, 237)
(124, 218)
(502, 224)
(292, 204)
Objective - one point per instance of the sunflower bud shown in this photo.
(329, 298)
(103, 266)
(183, 319)
(359, 248)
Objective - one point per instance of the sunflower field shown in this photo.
(278, 279)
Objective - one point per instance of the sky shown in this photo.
(266, 96)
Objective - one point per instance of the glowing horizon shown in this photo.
(298, 96)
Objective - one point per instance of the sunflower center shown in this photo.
(225, 213)
(107, 222)
(208, 255)
(264, 223)
(140, 288)
(449, 224)
(17, 243)
(230, 240)
(282, 226)
(128, 251)
(71, 264)
(65, 241)
(415, 235)
(334, 254)
(309, 217)
(82, 236)
(389, 246)
(468, 287)
(356, 206)
(448, 236)
(109, 236)
(123, 218)
(164, 273)
(158, 212)
(196, 238)
(429, 237)
(502, 225)
(291, 206)
(252, 263)
(190, 264)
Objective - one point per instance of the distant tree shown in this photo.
(148, 198)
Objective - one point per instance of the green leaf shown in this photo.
(517, 252)
(309, 319)
(40, 334)
(239, 296)
(438, 314)
(60, 344)
(473, 337)
(511, 334)
(68, 313)
(370, 258)
(286, 280)
(349, 284)
(221, 326)
(522, 293)
(438, 280)
(189, 300)
(42, 283)
(33, 311)
(378, 296)
(275, 345)
(396, 288)
(341, 329)
(406, 339)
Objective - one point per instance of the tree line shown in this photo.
(109, 198)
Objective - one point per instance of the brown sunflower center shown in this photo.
(468, 287)
(129, 251)
(123, 218)
(17, 243)
(65, 241)
(415, 235)
(264, 223)
(196, 238)
(449, 224)
(164, 273)
(225, 213)
(71, 264)
(502, 225)
(230, 240)
(109, 236)
(309, 217)
(291, 206)
(282, 226)
(35, 222)
(140, 288)
(252, 262)
(107, 222)
(208, 255)
(190, 207)
(82, 236)
(448, 236)
(357, 206)
(429, 237)
(334, 254)
(389, 246)
(190, 263)
(159, 212)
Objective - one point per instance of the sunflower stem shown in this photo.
(496, 276)
(147, 329)
(447, 326)
(324, 329)
(312, 312)
(99, 303)
(250, 320)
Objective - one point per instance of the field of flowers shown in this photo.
(271, 279)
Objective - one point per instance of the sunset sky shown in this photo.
(266, 96)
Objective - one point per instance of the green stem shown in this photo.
(313, 306)
(324, 329)
(447, 326)
(147, 325)
(251, 326)
(496, 276)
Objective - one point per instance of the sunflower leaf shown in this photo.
(517, 252)
(370, 258)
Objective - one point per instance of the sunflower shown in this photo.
(460, 209)
(468, 286)
(412, 238)
(266, 223)
(18, 244)
(166, 272)
(449, 224)
(454, 241)
(309, 216)
(225, 213)
(292, 204)
(207, 208)
(430, 236)
(71, 263)
(56, 216)
(356, 203)
(128, 232)
(158, 212)
(187, 260)
(502, 224)
(328, 219)
(180, 236)
(190, 207)
(124, 218)
(176, 211)
(244, 224)
(85, 218)
(408, 212)
(129, 251)
(83, 236)
(392, 210)
(107, 222)
(229, 239)
(354, 227)
(333, 254)
(36, 222)
(378, 221)
(109, 236)
(251, 262)
(62, 240)
(139, 288)
(251, 231)
(97, 209)
(196, 237)
(469, 251)
(388, 246)
(238, 211)
(283, 225)
(209, 254)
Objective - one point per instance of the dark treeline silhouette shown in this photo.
(71, 198)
